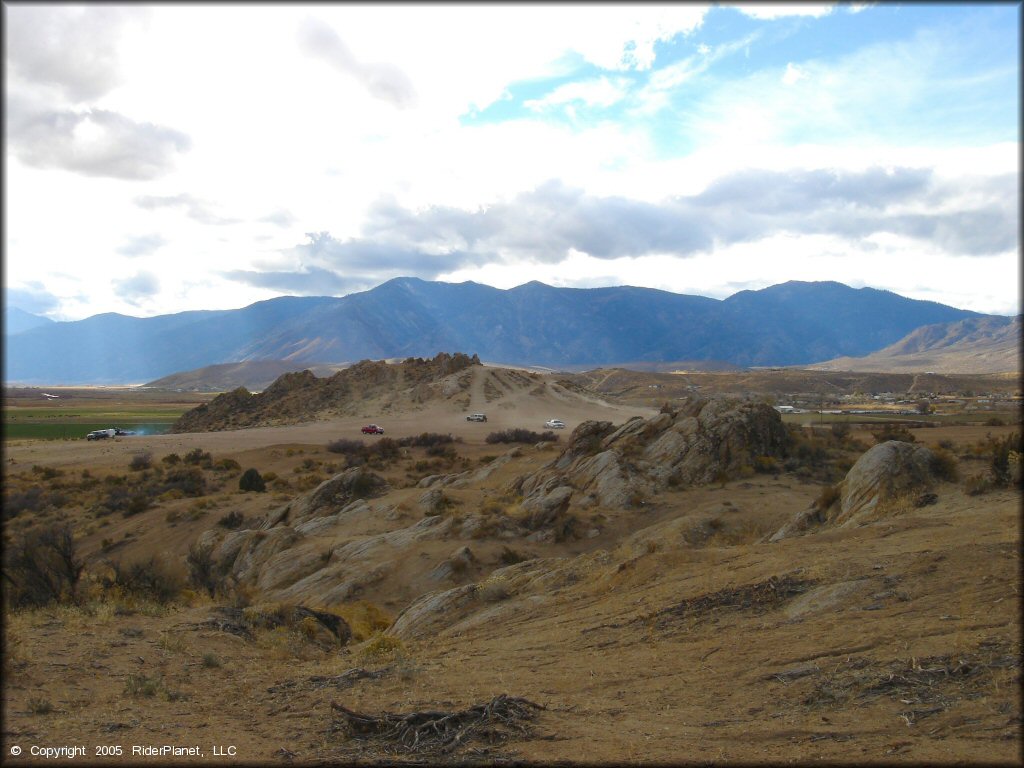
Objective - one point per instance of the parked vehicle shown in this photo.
(555, 424)
(476, 417)
(101, 434)
(373, 429)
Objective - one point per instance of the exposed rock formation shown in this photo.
(510, 589)
(885, 473)
(701, 442)
(301, 396)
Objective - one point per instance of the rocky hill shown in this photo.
(254, 375)
(302, 396)
(975, 345)
(603, 469)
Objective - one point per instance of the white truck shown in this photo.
(101, 434)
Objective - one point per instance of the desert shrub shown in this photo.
(441, 451)
(1000, 451)
(382, 647)
(141, 685)
(364, 619)
(189, 481)
(46, 473)
(994, 421)
(39, 706)
(829, 495)
(32, 499)
(385, 448)
(172, 642)
(308, 482)
(42, 566)
(171, 459)
(137, 502)
(893, 432)
(943, 465)
(840, 430)
(198, 457)
(226, 465)
(203, 572)
(347, 447)
(766, 465)
(251, 480)
(426, 439)
(150, 579)
(949, 445)
(140, 461)
(520, 436)
(977, 484)
(232, 520)
(210, 660)
(362, 485)
(804, 450)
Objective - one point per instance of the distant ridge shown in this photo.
(254, 375)
(795, 323)
(17, 320)
(971, 345)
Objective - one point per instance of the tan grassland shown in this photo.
(668, 636)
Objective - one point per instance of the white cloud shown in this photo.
(73, 49)
(601, 92)
(770, 11)
(235, 157)
(793, 74)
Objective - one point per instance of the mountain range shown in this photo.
(794, 323)
(973, 345)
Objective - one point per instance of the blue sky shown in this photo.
(697, 149)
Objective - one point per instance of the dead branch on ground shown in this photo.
(437, 731)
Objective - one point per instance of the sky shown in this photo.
(162, 158)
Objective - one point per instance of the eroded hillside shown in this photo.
(302, 396)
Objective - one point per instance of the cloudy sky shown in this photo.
(171, 157)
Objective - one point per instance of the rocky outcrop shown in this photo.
(518, 587)
(887, 473)
(333, 495)
(701, 442)
(302, 396)
(470, 476)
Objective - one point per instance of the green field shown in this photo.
(55, 423)
(75, 431)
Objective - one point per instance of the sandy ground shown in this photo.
(514, 409)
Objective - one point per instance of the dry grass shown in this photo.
(364, 618)
(380, 647)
